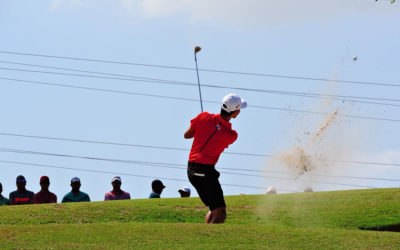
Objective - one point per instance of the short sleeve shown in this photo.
(54, 198)
(11, 197)
(107, 197)
(31, 195)
(195, 121)
(234, 136)
(36, 199)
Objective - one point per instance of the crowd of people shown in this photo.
(22, 196)
(211, 134)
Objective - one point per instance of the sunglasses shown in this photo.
(21, 180)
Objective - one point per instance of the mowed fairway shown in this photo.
(304, 220)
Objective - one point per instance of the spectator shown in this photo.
(116, 193)
(75, 195)
(44, 196)
(157, 187)
(185, 192)
(21, 196)
(3, 200)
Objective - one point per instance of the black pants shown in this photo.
(205, 179)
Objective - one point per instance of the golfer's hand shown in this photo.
(189, 133)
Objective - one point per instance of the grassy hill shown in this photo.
(304, 220)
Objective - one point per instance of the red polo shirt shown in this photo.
(212, 134)
(44, 197)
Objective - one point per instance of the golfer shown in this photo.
(212, 133)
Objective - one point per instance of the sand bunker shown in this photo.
(305, 158)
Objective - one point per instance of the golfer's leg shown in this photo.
(209, 217)
(218, 215)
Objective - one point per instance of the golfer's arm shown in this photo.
(189, 133)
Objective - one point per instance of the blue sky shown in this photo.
(307, 39)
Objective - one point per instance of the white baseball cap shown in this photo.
(116, 178)
(233, 102)
(184, 189)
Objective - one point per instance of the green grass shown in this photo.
(194, 236)
(304, 220)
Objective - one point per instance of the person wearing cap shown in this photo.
(76, 195)
(3, 200)
(21, 196)
(116, 193)
(44, 196)
(157, 186)
(184, 192)
(212, 134)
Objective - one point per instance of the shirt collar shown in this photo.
(113, 192)
(223, 121)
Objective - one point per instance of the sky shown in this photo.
(307, 47)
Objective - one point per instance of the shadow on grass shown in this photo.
(391, 228)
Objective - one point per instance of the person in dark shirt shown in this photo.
(44, 196)
(3, 200)
(21, 196)
(76, 195)
(157, 186)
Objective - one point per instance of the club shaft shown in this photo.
(198, 82)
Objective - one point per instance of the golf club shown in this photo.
(197, 49)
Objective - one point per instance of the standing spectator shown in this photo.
(184, 192)
(116, 193)
(75, 195)
(157, 186)
(21, 196)
(44, 196)
(3, 200)
(212, 134)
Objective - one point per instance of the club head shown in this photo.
(197, 49)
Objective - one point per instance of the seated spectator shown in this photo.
(185, 192)
(116, 193)
(3, 200)
(21, 196)
(157, 187)
(44, 196)
(75, 195)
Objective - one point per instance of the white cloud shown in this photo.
(260, 12)
(241, 12)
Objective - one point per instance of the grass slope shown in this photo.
(304, 220)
